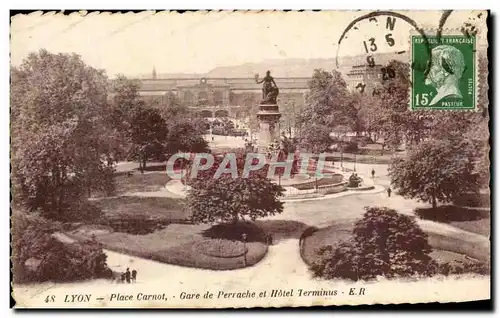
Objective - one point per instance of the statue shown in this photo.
(269, 90)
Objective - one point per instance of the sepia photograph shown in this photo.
(242, 159)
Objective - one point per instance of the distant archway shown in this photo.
(188, 98)
(222, 113)
(218, 100)
(206, 114)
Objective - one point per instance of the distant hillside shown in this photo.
(286, 67)
(299, 67)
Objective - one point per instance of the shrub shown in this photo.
(447, 268)
(234, 232)
(222, 248)
(39, 256)
(354, 181)
(384, 243)
(450, 213)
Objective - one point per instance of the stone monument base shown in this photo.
(269, 127)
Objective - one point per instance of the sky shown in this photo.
(196, 42)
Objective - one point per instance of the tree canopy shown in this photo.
(436, 171)
(61, 149)
(229, 198)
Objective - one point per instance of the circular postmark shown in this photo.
(391, 47)
(381, 32)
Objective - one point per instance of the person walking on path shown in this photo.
(127, 275)
(134, 275)
(389, 192)
(373, 173)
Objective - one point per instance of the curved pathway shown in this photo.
(281, 268)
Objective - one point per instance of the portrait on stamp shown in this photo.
(449, 81)
(447, 67)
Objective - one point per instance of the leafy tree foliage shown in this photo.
(60, 146)
(387, 113)
(328, 100)
(148, 135)
(184, 136)
(39, 256)
(436, 170)
(316, 138)
(384, 243)
(230, 199)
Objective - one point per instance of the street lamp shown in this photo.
(354, 162)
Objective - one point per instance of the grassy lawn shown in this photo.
(326, 236)
(469, 219)
(445, 248)
(323, 181)
(178, 244)
(482, 226)
(149, 207)
(137, 182)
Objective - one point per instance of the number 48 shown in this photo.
(422, 99)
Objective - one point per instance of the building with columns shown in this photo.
(222, 97)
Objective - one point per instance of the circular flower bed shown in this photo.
(222, 248)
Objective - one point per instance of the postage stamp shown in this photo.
(449, 81)
(205, 160)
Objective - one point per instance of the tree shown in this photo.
(37, 255)
(61, 149)
(436, 170)
(388, 113)
(316, 138)
(184, 136)
(384, 243)
(250, 103)
(148, 134)
(327, 100)
(227, 199)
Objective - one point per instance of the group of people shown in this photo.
(128, 276)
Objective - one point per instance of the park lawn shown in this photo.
(482, 226)
(149, 207)
(176, 244)
(476, 220)
(445, 248)
(137, 182)
(335, 179)
(330, 235)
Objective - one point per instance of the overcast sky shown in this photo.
(197, 42)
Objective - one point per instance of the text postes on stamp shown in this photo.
(450, 83)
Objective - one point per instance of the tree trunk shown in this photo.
(434, 202)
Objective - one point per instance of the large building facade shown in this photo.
(223, 97)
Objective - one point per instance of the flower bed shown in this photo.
(221, 248)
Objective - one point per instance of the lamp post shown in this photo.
(354, 162)
(244, 239)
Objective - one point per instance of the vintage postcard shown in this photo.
(239, 159)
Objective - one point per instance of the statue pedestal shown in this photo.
(269, 126)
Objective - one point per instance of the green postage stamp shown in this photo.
(443, 72)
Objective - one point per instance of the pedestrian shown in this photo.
(134, 275)
(127, 275)
(373, 173)
(122, 278)
(389, 192)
